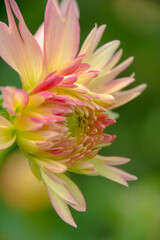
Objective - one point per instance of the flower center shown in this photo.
(77, 123)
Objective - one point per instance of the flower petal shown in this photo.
(50, 165)
(118, 84)
(92, 40)
(15, 100)
(98, 84)
(104, 168)
(7, 133)
(126, 96)
(61, 207)
(102, 55)
(59, 189)
(20, 50)
(61, 35)
(49, 82)
(74, 190)
(64, 4)
(39, 36)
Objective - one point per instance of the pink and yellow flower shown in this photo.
(58, 117)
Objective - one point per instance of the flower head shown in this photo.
(57, 119)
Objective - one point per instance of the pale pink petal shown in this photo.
(64, 5)
(113, 160)
(15, 100)
(71, 36)
(61, 208)
(112, 173)
(98, 84)
(92, 40)
(39, 36)
(116, 175)
(102, 55)
(58, 188)
(61, 36)
(81, 206)
(113, 61)
(118, 84)
(7, 133)
(126, 96)
(20, 50)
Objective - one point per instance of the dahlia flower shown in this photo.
(58, 117)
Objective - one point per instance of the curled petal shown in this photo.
(15, 100)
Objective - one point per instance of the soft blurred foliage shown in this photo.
(113, 211)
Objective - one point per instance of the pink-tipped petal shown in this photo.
(126, 96)
(112, 160)
(118, 84)
(59, 189)
(51, 165)
(116, 175)
(112, 173)
(61, 208)
(81, 206)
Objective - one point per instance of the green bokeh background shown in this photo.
(113, 211)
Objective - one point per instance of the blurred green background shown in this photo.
(113, 211)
